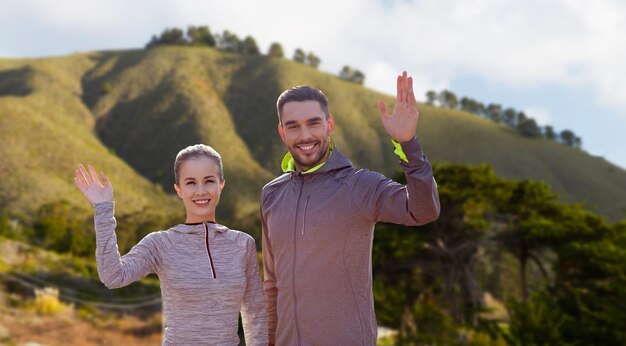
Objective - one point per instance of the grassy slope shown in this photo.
(46, 130)
(164, 99)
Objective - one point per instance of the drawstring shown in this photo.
(208, 249)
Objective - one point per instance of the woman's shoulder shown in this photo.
(161, 237)
(239, 237)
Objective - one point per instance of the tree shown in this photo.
(508, 117)
(548, 133)
(229, 42)
(578, 142)
(448, 99)
(521, 117)
(173, 36)
(469, 105)
(352, 75)
(494, 112)
(313, 60)
(529, 128)
(200, 36)
(249, 46)
(276, 50)
(529, 210)
(154, 41)
(431, 97)
(440, 257)
(568, 137)
(62, 227)
(299, 56)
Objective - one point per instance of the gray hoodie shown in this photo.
(318, 230)
(208, 274)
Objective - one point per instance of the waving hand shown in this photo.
(90, 185)
(402, 123)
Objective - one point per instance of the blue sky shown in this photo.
(560, 61)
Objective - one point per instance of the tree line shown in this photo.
(231, 42)
(508, 116)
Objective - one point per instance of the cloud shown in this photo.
(520, 44)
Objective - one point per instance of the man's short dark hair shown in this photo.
(302, 93)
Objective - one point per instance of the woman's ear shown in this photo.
(222, 184)
(177, 188)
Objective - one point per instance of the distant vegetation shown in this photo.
(230, 42)
(510, 117)
(559, 269)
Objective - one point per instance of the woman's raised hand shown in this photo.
(91, 186)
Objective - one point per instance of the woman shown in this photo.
(208, 273)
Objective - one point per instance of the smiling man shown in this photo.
(319, 217)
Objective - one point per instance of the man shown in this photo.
(318, 221)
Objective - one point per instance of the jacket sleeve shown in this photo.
(381, 199)
(114, 270)
(269, 282)
(253, 304)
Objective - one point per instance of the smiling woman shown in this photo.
(208, 272)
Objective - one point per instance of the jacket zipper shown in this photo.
(306, 206)
(293, 267)
(208, 250)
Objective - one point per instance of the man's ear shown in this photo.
(177, 188)
(331, 124)
(281, 132)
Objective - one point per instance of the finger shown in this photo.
(105, 180)
(94, 174)
(382, 109)
(411, 93)
(78, 179)
(84, 174)
(399, 89)
(405, 86)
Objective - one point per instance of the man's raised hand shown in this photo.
(90, 185)
(402, 123)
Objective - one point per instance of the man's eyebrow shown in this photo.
(310, 120)
(289, 122)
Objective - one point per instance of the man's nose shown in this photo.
(306, 134)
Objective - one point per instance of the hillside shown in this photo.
(129, 112)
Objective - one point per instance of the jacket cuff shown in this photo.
(103, 208)
(410, 151)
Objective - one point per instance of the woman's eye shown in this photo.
(190, 183)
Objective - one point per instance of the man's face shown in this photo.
(306, 133)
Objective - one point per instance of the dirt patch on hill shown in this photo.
(22, 327)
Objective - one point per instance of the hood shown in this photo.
(199, 228)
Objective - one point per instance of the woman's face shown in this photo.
(199, 186)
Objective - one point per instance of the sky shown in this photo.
(562, 62)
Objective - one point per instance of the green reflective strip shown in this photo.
(289, 165)
(398, 150)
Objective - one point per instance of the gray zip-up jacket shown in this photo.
(318, 230)
(208, 274)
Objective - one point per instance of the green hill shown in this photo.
(129, 112)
